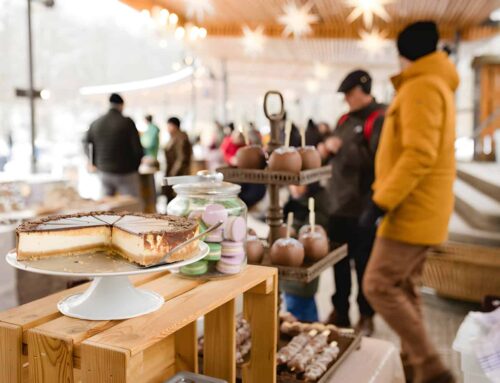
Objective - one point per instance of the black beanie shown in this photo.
(418, 39)
(115, 98)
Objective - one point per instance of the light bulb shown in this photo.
(202, 32)
(173, 19)
(179, 33)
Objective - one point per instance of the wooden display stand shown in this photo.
(38, 344)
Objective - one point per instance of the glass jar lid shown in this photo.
(208, 188)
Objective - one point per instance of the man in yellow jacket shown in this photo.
(414, 173)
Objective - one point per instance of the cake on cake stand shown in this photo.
(111, 295)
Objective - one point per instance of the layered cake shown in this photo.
(140, 238)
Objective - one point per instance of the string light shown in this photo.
(368, 9)
(173, 19)
(197, 9)
(373, 41)
(253, 40)
(202, 32)
(179, 33)
(297, 20)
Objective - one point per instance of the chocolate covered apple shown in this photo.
(287, 252)
(315, 245)
(254, 249)
(311, 158)
(285, 159)
(251, 157)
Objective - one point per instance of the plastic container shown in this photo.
(209, 202)
(468, 333)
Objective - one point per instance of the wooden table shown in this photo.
(38, 344)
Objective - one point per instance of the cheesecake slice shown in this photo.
(140, 238)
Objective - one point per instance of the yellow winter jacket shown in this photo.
(415, 161)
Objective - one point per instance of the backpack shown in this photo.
(369, 122)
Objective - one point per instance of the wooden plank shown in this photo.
(104, 365)
(158, 362)
(219, 349)
(45, 309)
(186, 348)
(50, 359)
(137, 334)
(265, 287)
(76, 331)
(10, 353)
(261, 312)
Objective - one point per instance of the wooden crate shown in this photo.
(268, 177)
(463, 271)
(38, 344)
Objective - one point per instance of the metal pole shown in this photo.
(224, 92)
(31, 92)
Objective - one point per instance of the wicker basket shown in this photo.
(463, 271)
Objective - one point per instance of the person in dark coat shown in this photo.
(113, 147)
(351, 149)
(178, 153)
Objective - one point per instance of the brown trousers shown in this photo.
(390, 285)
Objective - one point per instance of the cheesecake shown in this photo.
(139, 238)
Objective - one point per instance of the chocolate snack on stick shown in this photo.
(297, 343)
(320, 362)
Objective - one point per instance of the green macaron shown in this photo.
(196, 268)
(214, 252)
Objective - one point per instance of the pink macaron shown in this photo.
(225, 268)
(214, 236)
(232, 248)
(235, 229)
(213, 214)
(234, 260)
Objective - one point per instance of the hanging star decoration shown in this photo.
(198, 9)
(368, 9)
(253, 40)
(373, 41)
(297, 20)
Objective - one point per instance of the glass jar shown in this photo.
(210, 202)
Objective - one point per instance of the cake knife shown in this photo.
(162, 261)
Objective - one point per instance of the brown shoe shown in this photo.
(338, 320)
(444, 377)
(365, 326)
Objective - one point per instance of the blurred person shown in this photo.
(150, 139)
(113, 147)
(251, 194)
(254, 136)
(413, 194)
(313, 135)
(295, 138)
(351, 151)
(324, 129)
(178, 153)
(299, 296)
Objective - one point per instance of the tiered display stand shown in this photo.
(274, 180)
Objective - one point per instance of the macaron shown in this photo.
(214, 213)
(232, 248)
(234, 260)
(214, 236)
(225, 268)
(196, 268)
(214, 252)
(235, 229)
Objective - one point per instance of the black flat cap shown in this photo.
(357, 77)
(115, 98)
(418, 40)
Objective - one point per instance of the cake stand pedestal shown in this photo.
(111, 295)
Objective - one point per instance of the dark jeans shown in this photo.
(359, 244)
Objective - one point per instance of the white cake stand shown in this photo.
(111, 295)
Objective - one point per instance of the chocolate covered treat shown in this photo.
(254, 249)
(285, 159)
(321, 362)
(311, 159)
(315, 245)
(251, 157)
(286, 353)
(315, 345)
(287, 252)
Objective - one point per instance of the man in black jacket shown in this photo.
(113, 146)
(351, 148)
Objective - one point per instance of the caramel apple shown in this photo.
(287, 252)
(311, 158)
(307, 229)
(254, 250)
(285, 159)
(251, 157)
(315, 245)
(282, 231)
